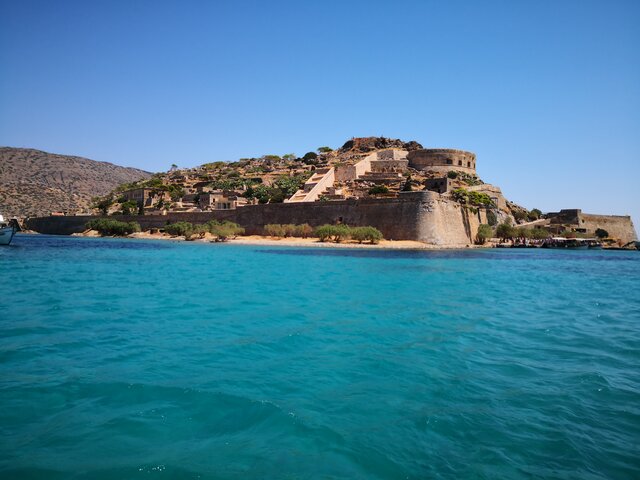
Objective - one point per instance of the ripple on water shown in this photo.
(131, 359)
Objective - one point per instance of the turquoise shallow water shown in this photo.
(143, 359)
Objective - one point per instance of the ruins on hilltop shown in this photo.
(407, 191)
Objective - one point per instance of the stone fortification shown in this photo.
(423, 216)
(442, 160)
(618, 226)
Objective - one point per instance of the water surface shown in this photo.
(148, 359)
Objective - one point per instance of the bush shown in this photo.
(484, 233)
(303, 231)
(274, 230)
(199, 231)
(179, 229)
(324, 232)
(377, 189)
(519, 215)
(534, 214)
(505, 230)
(539, 233)
(224, 230)
(452, 174)
(602, 233)
(130, 207)
(107, 226)
(362, 234)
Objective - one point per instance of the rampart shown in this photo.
(617, 226)
(442, 160)
(423, 216)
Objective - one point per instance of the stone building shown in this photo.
(442, 160)
(145, 197)
(221, 200)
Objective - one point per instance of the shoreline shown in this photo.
(258, 240)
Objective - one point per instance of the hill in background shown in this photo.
(36, 183)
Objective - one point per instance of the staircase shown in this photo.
(320, 181)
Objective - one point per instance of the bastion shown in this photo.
(442, 160)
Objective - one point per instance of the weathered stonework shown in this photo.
(442, 160)
(618, 226)
(423, 216)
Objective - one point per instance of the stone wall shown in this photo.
(423, 216)
(618, 226)
(442, 160)
(348, 173)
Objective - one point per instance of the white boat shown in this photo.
(6, 231)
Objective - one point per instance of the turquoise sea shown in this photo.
(134, 359)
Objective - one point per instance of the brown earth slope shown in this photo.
(35, 183)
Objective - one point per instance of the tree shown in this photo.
(484, 233)
(504, 231)
(310, 156)
(103, 204)
(129, 208)
(534, 214)
(324, 150)
(407, 185)
(602, 233)
(370, 234)
(179, 229)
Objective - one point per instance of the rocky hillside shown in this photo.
(35, 183)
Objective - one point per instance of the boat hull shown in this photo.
(6, 235)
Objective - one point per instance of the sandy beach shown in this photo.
(295, 242)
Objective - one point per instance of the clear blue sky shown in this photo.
(547, 93)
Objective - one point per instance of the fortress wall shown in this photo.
(442, 160)
(446, 223)
(620, 227)
(421, 216)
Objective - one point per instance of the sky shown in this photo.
(545, 92)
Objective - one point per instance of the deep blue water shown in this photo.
(147, 359)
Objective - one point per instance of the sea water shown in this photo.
(152, 359)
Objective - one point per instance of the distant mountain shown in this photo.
(35, 183)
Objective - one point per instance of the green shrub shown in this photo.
(129, 208)
(484, 233)
(452, 174)
(274, 230)
(199, 231)
(179, 229)
(370, 234)
(539, 233)
(107, 226)
(505, 230)
(324, 232)
(519, 215)
(534, 214)
(303, 231)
